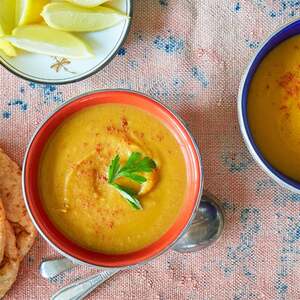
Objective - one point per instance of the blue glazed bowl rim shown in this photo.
(282, 34)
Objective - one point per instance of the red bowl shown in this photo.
(30, 177)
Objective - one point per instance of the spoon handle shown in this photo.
(80, 289)
(53, 267)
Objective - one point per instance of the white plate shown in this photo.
(57, 70)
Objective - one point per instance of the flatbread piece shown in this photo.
(11, 195)
(2, 231)
(11, 261)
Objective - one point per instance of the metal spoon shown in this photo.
(51, 268)
(81, 288)
(205, 230)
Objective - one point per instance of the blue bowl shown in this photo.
(274, 40)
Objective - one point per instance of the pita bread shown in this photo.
(2, 231)
(11, 195)
(10, 264)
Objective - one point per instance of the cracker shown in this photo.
(11, 194)
(10, 264)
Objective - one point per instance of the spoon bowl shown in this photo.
(206, 227)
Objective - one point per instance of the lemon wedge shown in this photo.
(28, 11)
(69, 17)
(44, 40)
(7, 23)
(88, 3)
(7, 16)
(7, 48)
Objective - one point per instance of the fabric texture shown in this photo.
(190, 55)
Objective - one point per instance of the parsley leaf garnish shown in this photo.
(134, 165)
(129, 194)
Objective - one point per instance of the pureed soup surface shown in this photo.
(274, 107)
(73, 179)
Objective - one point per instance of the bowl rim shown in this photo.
(242, 100)
(197, 198)
(101, 66)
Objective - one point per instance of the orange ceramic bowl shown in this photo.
(30, 177)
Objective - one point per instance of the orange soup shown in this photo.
(82, 199)
(274, 107)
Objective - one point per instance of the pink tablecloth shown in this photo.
(189, 54)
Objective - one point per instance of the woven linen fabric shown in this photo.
(190, 55)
